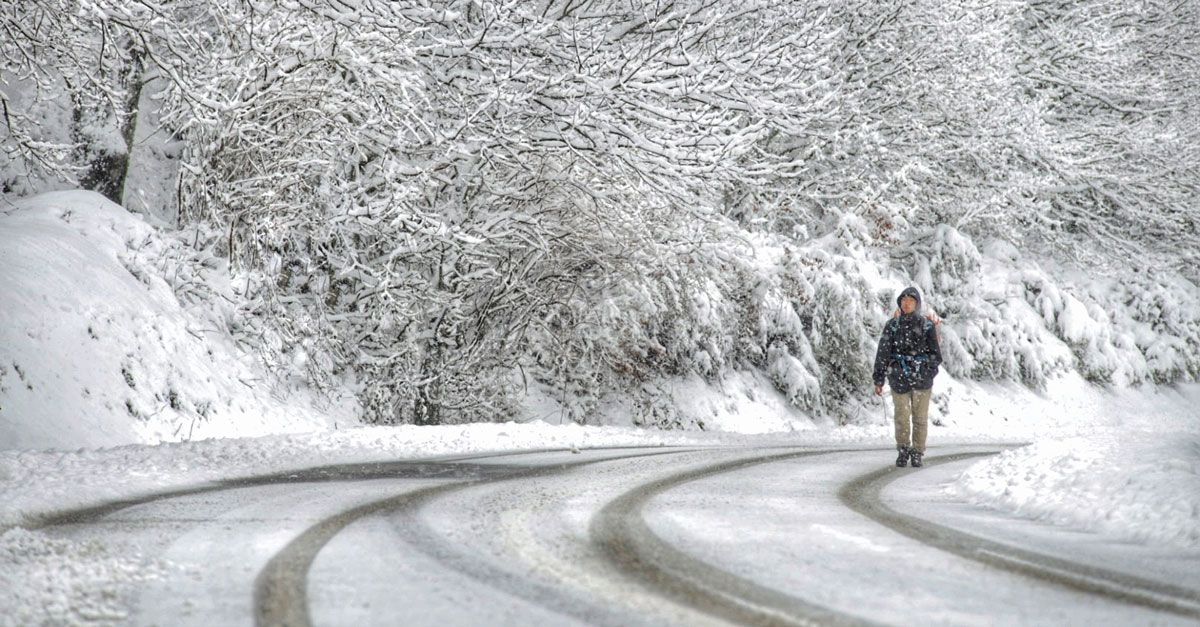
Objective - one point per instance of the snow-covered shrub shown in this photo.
(807, 317)
(1102, 353)
(1005, 341)
(1005, 316)
(803, 316)
(664, 317)
(1160, 313)
(845, 324)
(773, 309)
(1141, 327)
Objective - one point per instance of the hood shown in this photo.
(910, 291)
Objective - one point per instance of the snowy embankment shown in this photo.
(103, 365)
(1139, 486)
(97, 349)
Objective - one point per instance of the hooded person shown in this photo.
(909, 356)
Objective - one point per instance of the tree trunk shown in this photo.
(105, 170)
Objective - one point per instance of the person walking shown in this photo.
(909, 356)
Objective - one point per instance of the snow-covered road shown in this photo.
(626, 536)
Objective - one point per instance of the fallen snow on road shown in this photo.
(1154, 488)
(1140, 486)
(50, 581)
(35, 484)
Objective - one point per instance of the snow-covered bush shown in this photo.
(1126, 330)
(987, 332)
(1160, 312)
(1008, 317)
(803, 316)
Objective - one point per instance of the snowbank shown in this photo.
(96, 350)
(1122, 462)
(1139, 486)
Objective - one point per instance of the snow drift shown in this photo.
(96, 349)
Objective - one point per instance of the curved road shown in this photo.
(785, 536)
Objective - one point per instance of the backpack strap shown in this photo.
(892, 327)
(904, 360)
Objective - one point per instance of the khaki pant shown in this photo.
(912, 405)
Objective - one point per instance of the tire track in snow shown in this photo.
(280, 594)
(431, 468)
(621, 531)
(863, 495)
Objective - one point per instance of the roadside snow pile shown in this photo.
(97, 350)
(52, 581)
(1142, 486)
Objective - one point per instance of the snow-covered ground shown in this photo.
(110, 387)
(1137, 485)
(96, 348)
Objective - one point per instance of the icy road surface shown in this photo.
(637, 536)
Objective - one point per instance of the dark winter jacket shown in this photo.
(908, 353)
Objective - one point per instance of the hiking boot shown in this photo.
(916, 459)
(902, 460)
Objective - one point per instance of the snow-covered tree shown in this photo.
(1115, 83)
(70, 82)
(438, 202)
(418, 185)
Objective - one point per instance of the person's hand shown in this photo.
(879, 390)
